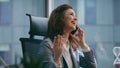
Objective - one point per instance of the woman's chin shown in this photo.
(74, 27)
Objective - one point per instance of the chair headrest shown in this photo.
(38, 25)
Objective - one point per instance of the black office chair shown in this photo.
(38, 27)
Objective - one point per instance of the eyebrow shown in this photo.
(70, 13)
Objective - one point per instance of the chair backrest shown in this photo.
(38, 27)
(30, 46)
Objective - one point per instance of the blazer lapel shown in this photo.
(75, 63)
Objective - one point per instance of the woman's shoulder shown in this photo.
(44, 47)
(46, 41)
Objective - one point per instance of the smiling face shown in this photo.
(70, 20)
(62, 20)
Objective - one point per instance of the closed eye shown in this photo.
(71, 14)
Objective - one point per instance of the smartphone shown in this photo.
(74, 32)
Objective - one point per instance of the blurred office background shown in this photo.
(100, 20)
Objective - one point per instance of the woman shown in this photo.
(57, 47)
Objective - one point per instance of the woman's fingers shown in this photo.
(74, 42)
(50, 46)
(58, 41)
(58, 44)
(75, 37)
(74, 46)
(80, 31)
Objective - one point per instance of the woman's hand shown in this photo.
(80, 40)
(57, 48)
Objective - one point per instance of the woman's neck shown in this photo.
(66, 41)
(66, 33)
(66, 36)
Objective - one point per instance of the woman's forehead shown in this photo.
(69, 11)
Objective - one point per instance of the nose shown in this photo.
(75, 18)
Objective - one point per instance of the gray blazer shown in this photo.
(47, 58)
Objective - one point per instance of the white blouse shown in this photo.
(66, 55)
